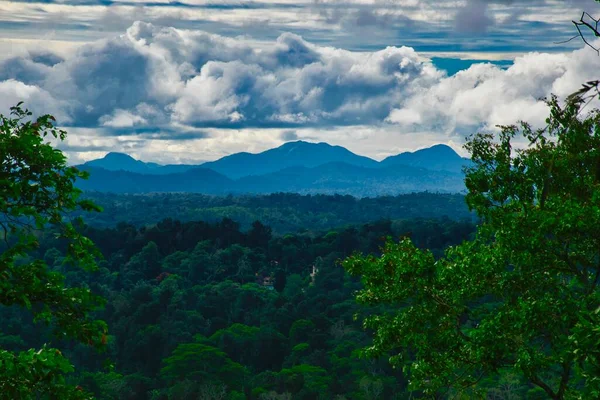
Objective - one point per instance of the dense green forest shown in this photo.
(307, 297)
(283, 212)
(389, 309)
(196, 308)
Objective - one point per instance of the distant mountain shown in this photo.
(300, 167)
(291, 154)
(196, 180)
(437, 158)
(119, 161)
(358, 181)
(124, 162)
(329, 178)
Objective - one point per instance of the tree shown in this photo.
(522, 297)
(259, 235)
(202, 364)
(589, 24)
(36, 192)
(143, 265)
(306, 381)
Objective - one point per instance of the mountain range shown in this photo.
(124, 162)
(299, 166)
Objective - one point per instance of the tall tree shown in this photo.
(36, 193)
(523, 297)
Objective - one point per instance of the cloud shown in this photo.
(45, 57)
(442, 25)
(24, 69)
(378, 14)
(484, 95)
(473, 17)
(36, 99)
(152, 75)
(164, 85)
(121, 119)
(288, 136)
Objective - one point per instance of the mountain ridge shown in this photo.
(439, 157)
(193, 180)
(330, 178)
(299, 167)
(115, 161)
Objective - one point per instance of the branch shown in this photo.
(564, 379)
(5, 229)
(567, 41)
(459, 330)
(538, 382)
(594, 28)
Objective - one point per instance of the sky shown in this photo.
(194, 80)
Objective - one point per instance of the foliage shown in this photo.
(37, 373)
(283, 212)
(180, 293)
(36, 191)
(201, 363)
(523, 296)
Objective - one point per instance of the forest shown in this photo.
(501, 306)
(282, 212)
(494, 294)
(196, 308)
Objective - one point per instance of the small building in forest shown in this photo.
(266, 281)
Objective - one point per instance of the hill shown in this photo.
(299, 167)
(123, 162)
(291, 154)
(196, 180)
(437, 158)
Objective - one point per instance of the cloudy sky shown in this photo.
(192, 80)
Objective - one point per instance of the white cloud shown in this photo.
(176, 81)
(484, 95)
(217, 93)
(36, 99)
(121, 119)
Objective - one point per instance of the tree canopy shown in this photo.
(36, 193)
(522, 297)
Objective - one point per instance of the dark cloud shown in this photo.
(371, 18)
(170, 4)
(162, 83)
(45, 58)
(426, 25)
(494, 20)
(73, 148)
(176, 135)
(154, 76)
(292, 51)
(23, 69)
(382, 14)
(473, 17)
(289, 136)
(157, 133)
(113, 75)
